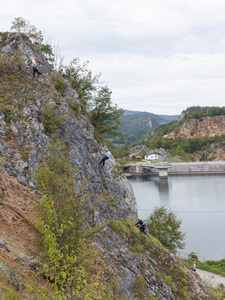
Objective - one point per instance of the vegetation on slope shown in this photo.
(135, 124)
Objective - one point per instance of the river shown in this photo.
(199, 200)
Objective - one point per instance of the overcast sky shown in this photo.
(159, 56)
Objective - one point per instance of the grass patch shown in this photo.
(185, 295)
(52, 119)
(139, 289)
(59, 83)
(136, 240)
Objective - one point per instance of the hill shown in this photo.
(199, 134)
(36, 116)
(136, 124)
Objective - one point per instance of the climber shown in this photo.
(63, 73)
(107, 155)
(34, 65)
(143, 226)
(194, 266)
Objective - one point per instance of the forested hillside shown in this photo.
(135, 124)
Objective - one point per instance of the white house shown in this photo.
(152, 156)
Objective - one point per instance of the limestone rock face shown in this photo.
(24, 138)
(19, 42)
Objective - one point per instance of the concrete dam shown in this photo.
(163, 169)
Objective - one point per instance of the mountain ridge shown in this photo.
(135, 124)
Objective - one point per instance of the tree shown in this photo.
(165, 226)
(103, 115)
(23, 26)
(67, 228)
(95, 98)
(82, 80)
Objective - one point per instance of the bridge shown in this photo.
(147, 168)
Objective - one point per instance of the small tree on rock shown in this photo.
(23, 26)
(165, 226)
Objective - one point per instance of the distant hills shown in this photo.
(135, 124)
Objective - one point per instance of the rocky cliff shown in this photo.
(205, 126)
(31, 111)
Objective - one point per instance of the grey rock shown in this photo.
(22, 180)
(3, 245)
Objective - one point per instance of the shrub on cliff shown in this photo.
(165, 226)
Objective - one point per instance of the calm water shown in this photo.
(199, 200)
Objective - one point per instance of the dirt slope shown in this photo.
(16, 215)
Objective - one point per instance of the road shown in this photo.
(211, 279)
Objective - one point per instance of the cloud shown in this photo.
(159, 56)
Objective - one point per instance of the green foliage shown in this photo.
(66, 225)
(10, 64)
(10, 112)
(120, 152)
(59, 83)
(135, 125)
(82, 80)
(95, 99)
(184, 293)
(196, 112)
(103, 115)
(181, 145)
(184, 282)
(48, 51)
(74, 106)
(138, 287)
(51, 118)
(137, 241)
(216, 267)
(21, 25)
(192, 256)
(165, 226)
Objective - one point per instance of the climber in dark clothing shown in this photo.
(34, 65)
(143, 226)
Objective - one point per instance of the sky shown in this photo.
(155, 56)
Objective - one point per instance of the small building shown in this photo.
(152, 156)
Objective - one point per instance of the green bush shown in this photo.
(10, 64)
(9, 112)
(52, 119)
(59, 83)
(183, 292)
(166, 227)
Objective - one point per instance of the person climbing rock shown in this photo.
(107, 156)
(63, 73)
(143, 226)
(194, 265)
(34, 65)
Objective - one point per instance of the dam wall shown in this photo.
(212, 167)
